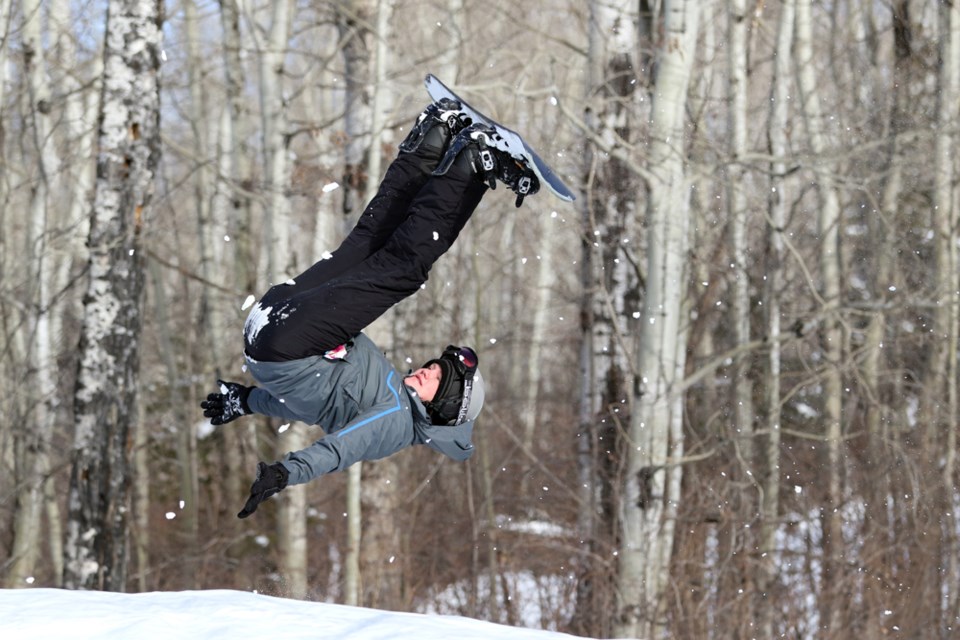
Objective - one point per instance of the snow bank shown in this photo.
(42, 614)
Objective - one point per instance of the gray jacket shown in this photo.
(360, 401)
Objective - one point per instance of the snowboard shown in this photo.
(509, 140)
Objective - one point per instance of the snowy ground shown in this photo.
(45, 614)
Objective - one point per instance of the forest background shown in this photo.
(721, 385)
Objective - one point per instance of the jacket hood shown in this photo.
(453, 441)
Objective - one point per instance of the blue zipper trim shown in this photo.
(383, 413)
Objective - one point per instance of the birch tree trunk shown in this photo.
(187, 437)
(609, 225)
(828, 224)
(767, 568)
(947, 318)
(186, 442)
(353, 20)
(882, 496)
(737, 185)
(543, 285)
(34, 441)
(106, 391)
(292, 526)
(239, 266)
(80, 93)
(381, 545)
(6, 27)
(353, 23)
(651, 488)
(281, 260)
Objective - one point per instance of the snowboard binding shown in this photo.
(492, 161)
(443, 118)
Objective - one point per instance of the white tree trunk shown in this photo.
(42, 218)
(292, 515)
(543, 286)
(381, 487)
(199, 121)
(281, 260)
(737, 186)
(828, 223)
(608, 212)
(106, 388)
(353, 21)
(81, 99)
(768, 564)
(650, 498)
(239, 264)
(947, 320)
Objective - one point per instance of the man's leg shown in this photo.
(419, 155)
(318, 319)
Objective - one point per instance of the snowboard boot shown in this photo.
(479, 142)
(434, 127)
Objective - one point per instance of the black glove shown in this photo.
(228, 405)
(271, 480)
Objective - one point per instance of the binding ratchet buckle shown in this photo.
(524, 184)
(486, 160)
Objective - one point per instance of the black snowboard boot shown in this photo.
(490, 162)
(434, 127)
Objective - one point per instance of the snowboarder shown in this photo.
(303, 340)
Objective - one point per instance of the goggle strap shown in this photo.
(465, 403)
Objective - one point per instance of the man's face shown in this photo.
(425, 381)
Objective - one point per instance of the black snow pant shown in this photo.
(413, 219)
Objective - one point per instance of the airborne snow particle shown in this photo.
(171, 515)
(248, 303)
(330, 186)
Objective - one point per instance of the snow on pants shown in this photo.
(413, 219)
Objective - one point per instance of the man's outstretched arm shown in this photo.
(235, 400)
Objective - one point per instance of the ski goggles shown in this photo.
(464, 359)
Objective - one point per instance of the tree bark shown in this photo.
(353, 20)
(738, 184)
(280, 258)
(828, 227)
(652, 481)
(767, 567)
(881, 496)
(239, 264)
(106, 391)
(33, 443)
(610, 284)
(947, 315)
